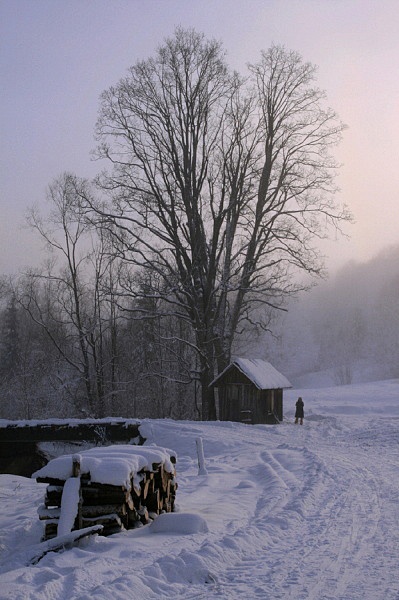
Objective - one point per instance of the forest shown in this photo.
(348, 326)
(195, 239)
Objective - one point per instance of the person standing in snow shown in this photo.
(299, 411)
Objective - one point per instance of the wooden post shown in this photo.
(76, 473)
(76, 465)
(201, 459)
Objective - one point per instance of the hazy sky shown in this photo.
(57, 56)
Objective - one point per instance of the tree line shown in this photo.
(217, 188)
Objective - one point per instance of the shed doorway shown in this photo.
(240, 402)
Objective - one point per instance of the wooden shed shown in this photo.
(251, 391)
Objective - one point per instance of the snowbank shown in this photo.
(179, 523)
(291, 512)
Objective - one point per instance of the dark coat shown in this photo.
(299, 409)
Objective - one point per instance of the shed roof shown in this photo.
(260, 372)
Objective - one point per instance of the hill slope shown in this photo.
(292, 512)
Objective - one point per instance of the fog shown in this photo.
(56, 59)
(346, 328)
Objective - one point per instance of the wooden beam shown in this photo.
(62, 543)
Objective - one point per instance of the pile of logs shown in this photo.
(113, 507)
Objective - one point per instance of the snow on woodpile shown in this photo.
(112, 465)
(69, 505)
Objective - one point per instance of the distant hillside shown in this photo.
(346, 329)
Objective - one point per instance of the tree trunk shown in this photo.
(208, 412)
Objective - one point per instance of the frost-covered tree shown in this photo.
(71, 297)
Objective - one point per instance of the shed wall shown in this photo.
(240, 400)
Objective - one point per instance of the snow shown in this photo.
(179, 523)
(113, 465)
(69, 505)
(35, 553)
(285, 513)
(262, 374)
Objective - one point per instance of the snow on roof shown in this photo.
(113, 465)
(262, 374)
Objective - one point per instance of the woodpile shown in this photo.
(148, 492)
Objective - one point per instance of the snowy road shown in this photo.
(332, 529)
(293, 512)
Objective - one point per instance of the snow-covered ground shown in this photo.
(284, 512)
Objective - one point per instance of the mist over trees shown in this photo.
(347, 328)
(218, 188)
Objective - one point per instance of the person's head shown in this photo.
(300, 398)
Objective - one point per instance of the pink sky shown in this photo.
(56, 57)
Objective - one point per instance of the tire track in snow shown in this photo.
(347, 560)
(338, 508)
(338, 548)
(317, 519)
(276, 514)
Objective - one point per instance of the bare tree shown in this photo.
(219, 184)
(71, 299)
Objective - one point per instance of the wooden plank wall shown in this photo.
(241, 401)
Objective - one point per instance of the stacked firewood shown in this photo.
(115, 508)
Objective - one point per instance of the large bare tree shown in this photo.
(220, 184)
